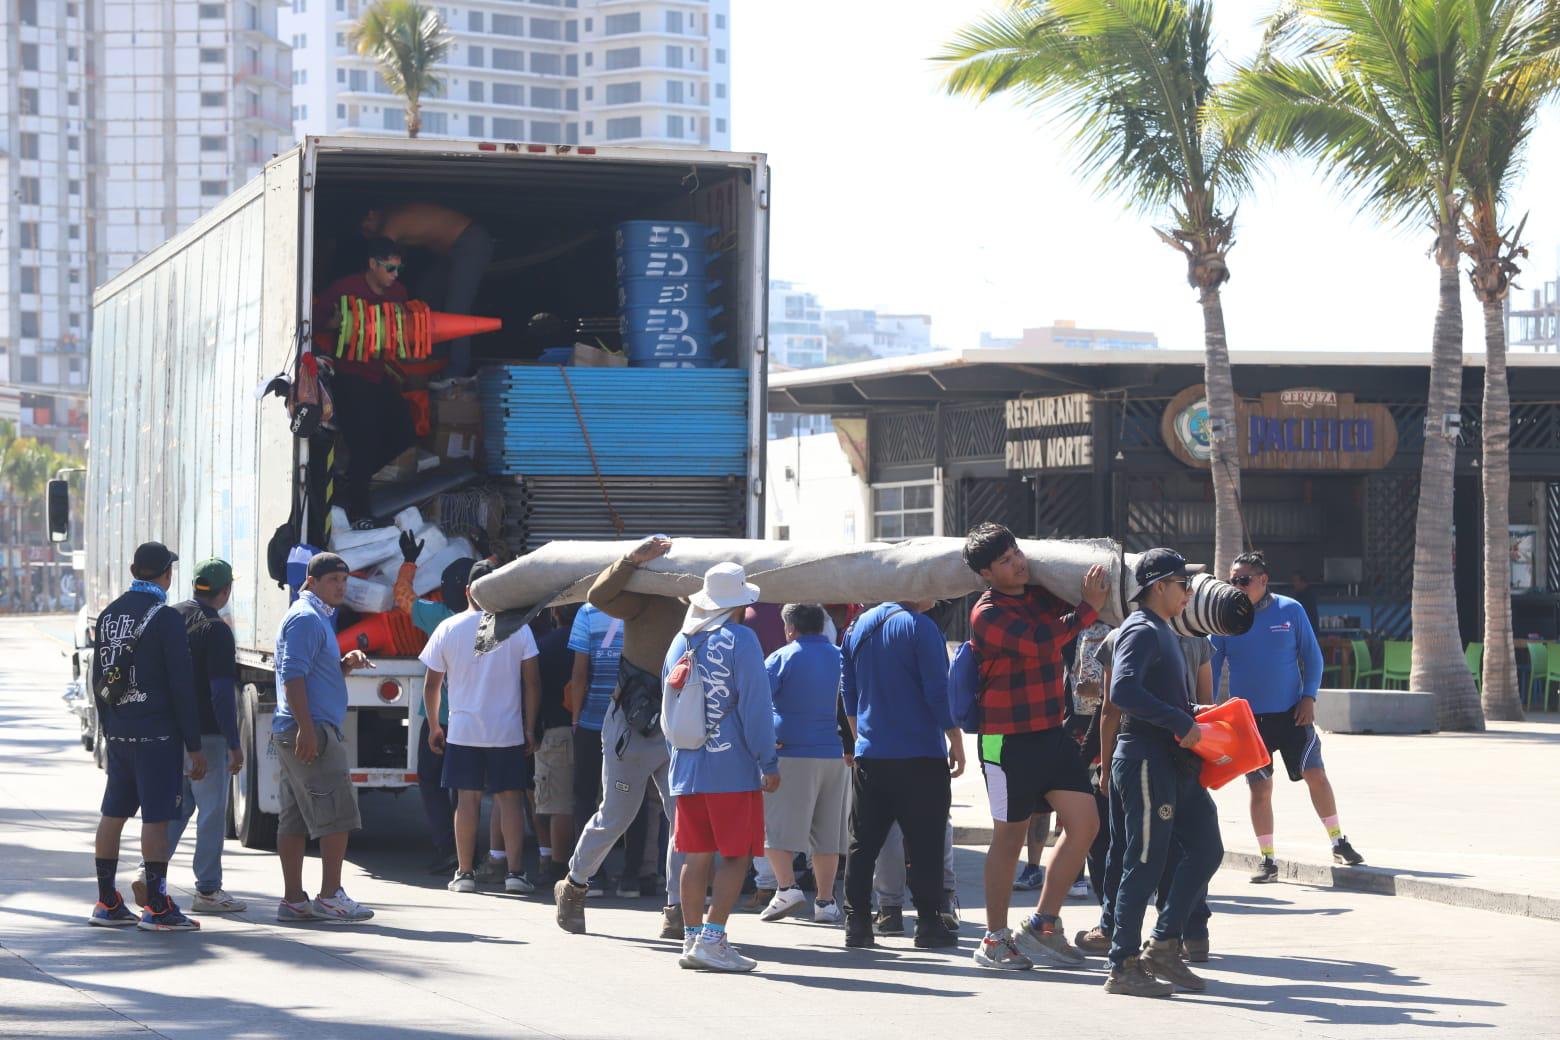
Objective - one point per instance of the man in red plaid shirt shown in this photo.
(1029, 761)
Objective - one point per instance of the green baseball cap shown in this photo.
(213, 575)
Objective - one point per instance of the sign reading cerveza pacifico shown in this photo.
(1301, 429)
(1050, 432)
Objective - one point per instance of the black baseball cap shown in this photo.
(321, 564)
(1157, 565)
(152, 559)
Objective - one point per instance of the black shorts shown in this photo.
(145, 774)
(1020, 769)
(1300, 747)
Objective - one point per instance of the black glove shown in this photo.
(411, 548)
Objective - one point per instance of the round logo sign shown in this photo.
(1191, 429)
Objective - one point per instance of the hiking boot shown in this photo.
(890, 920)
(950, 910)
(167, 919)
(672, 922)
(1194, 950)
(570, 900)
(465, 881)
(858, 932)
(717, 955)
(759, 899)
(785, 901)
(1050, 949)
(932, 934)
(341, 908)
(116, 916)
(999, 951)
(1162, 957)
(1094, 942)
(218, 902)
(1344, 854)
(1030, 877)
(1131, 979)
(1267, 873)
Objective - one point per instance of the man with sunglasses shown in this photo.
(1277, 668)
(370, 412)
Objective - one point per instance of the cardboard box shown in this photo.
(456, 442)
(457, 405)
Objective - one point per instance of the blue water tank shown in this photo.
(663, 234)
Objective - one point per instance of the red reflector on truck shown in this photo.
(389, 691)
(588, 150)
(358, 778)
(487, 146)
(410, 778)
(536, 148)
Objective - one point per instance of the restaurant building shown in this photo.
(1074, 443)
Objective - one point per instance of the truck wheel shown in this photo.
(254, 829)
(88, 722)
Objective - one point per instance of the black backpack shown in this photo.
(113, 676)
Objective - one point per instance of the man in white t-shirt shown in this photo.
(491, 696)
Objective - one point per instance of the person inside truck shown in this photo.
(370, 412)
(462, 249)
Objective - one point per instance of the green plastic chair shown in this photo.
(1551, 675)
(1538, 668)
(1331, 670)
(1397, 656)
(1474, 655)
(1363, 669)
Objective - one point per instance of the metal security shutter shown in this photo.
(539, 510)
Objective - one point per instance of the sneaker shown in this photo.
(1080, 890)
(686, 960)
(890, 920)
(465, 881)
(628, 887)
(138, 887)
(492, 871)
(785, 901)
(672, 922)
(443, 863)
(1048, 948)
(932, 934)
(1093, 942)
(116, 916)
(570, 901)
(858, 932)
(1162, 958)
(950, 910)
(1030, 877)
(518, 885)
(218, 902)
(828, 913)
(303, 911)
(168, 919)
(341, 908)
(759, 900)
(1194, 950)
(1131, 979)
(998, 951)
(1343, 853)
(1267, 873)
(717, 955)
(596, 888)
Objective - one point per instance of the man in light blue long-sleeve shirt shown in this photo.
(1277, 668)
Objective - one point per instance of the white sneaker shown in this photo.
(719, 956)
(465, 881)
(785, 901)
(218, 902)
(1052, 950)
(1080, 889)
(303, 911)
(518, 885)
(998, 951)
(341, 908)
(828, 913)
(686, 960)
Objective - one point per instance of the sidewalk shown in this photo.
(1471, 819)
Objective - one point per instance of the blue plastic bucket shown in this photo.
(665, 292)
(671, 349)
(679, 264)
(663, 234)
(673, 320)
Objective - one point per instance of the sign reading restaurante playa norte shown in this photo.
(1050, 432)
(1303, 429)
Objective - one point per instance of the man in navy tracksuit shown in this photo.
(148, 727)
(1155, 777)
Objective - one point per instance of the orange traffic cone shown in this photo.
(391, 633)
(442, 326)
(1231, 744)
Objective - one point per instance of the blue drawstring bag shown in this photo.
(964, 688)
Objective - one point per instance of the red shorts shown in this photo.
(730, 823)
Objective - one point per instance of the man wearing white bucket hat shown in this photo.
(720, 782)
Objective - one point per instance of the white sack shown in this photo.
(430, 568)
(369, 597)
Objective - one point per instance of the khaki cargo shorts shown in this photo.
(555, 772)
(317, 798)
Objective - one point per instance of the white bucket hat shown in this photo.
(725, 588)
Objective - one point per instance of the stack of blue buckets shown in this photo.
(664, 292)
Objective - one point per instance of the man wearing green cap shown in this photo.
(215, 664)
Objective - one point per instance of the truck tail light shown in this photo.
(390, 691)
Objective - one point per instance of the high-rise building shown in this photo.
(876, 334)
(640, 72)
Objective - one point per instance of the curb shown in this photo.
(1381, 881)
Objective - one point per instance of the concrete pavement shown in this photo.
(1291, 960)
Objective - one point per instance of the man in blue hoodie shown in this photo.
(720, 785)
(146, 699)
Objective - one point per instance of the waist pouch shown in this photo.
(638, 697)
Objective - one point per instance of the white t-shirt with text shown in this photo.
(486, 707)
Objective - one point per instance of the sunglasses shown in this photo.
(389, 268)
(1183, 582)
(1246, 579)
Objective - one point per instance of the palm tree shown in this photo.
(1134, 80)
(1389, 96)
(407, 40)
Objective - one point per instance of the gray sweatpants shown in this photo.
(623, 779)
(888, 874)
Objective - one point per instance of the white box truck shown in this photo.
(184, 450)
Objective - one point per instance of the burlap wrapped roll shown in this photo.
(799, 572)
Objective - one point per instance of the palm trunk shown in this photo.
(1439, 666)
(413, 117)
(1229, 535)
(1500, 696)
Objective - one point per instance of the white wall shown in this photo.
(811, 490)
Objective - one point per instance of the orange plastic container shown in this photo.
(1231, 745)
(390, 633)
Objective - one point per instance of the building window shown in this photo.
(720, 56)
(618, 24)
(720, 21)
(508, 25)
(674, 57)
(75, 321)
(572, 99)
(546, 133)
(674, 21)
(341, 75)
(720, 125)
(29, 328)
(507, 129)
(28, 12)
(357, 80)
(72, 143)
(73, 231)
(31, 190)
(29, 145)
(29, 101)
(29, 57)
(674, 126)
(210, 11)
(74, 276)
(211, 55)
(623, 93)
(590, 128)
(473, 21)
(395, 119)
(546, 29)
(623, 58)
(619, 129)
(72, 98)
(571, 31)
(29, 369)
(474, 57)
(29, 279)
(590, 24)
(513, 61)
(211, 99)
(475, 126)
(674, 92)
(341, 38)
(902, 511)
(436, 122)
(508, 94)
(341, 111)
(72, 54)
(590, 93)
(71, 10)
(73, 187)
(303, 77)
(213, 187)
(546, 97)
(210, 143)
(590, 59)
(476, 90)
(27, 234)
(720, 90)
(546, 64)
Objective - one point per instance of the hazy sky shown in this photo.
(889, 194)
